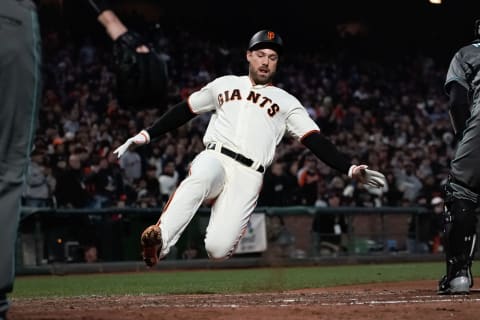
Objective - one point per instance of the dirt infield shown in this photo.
(402, 301)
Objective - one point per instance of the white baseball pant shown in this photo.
(234, 188)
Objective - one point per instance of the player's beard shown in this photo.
(261, 78)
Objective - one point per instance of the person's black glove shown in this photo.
(140, 71)
(141, 76)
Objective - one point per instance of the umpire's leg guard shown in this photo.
(460, 242)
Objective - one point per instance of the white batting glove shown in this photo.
(141, 138)
(366, 176)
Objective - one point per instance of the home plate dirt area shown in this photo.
(399, 300)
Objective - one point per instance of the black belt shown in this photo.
(236, 156)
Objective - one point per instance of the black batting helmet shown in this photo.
(266, 39)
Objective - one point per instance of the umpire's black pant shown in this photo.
(20, 58)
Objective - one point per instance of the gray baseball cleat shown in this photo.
(460, 284)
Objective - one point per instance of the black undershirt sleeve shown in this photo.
(327, 152)
(178, 115)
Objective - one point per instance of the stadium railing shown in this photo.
(53, 236)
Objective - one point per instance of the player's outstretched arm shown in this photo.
(459, 106)
(329, 154)
(142, 73)
(114, 27)
(172, 119)
(112, 23)
(107, 18)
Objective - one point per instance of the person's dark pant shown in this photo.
(464, 166)
(462, 195)
(20, 59)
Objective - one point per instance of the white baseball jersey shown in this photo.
(250, 119)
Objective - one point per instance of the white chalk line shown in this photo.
(310, 302)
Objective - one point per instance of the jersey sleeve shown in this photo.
(203, 100)
(299, 122)
(458, 71)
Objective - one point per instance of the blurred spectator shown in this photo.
(308, 177)
(408, 183)
(191, 252)
(131, 163)
(90, 254)
(87, 53)
(168, 180)
(148, 190)
(71, 190)
(106, 182)
(144, 199)
(155, 160)
(39, 181)
(328, 229)
(390, 120)
(281, 241)
(425, 229)
(152, 182)
(393, 196)
(277, 186)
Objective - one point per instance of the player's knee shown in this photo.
(218, 251)
(463, 213)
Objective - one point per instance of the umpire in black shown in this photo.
(462, 190)
(20, 77)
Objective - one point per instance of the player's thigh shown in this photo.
(465, 163)
(232, 209)
(20, 80)
(206, 174)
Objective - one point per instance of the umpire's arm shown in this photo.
(114, 27)
(459, 106)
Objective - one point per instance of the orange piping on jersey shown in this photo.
(308, 133)
(166, 206)
(169, 200)
(234, 247)
(242, 233)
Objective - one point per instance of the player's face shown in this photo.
(262, 65)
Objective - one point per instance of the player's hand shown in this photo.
(369, 177)
(141, 138)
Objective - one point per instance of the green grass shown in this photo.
(222, 281)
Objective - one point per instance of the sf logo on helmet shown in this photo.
(270, 35)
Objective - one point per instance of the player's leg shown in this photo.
(231, 210)
(19, 98)
(461, 202)
(460, 239)
(205, 181)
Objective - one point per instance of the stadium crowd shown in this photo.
(391, 116)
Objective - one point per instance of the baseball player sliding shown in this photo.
(250, 117)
